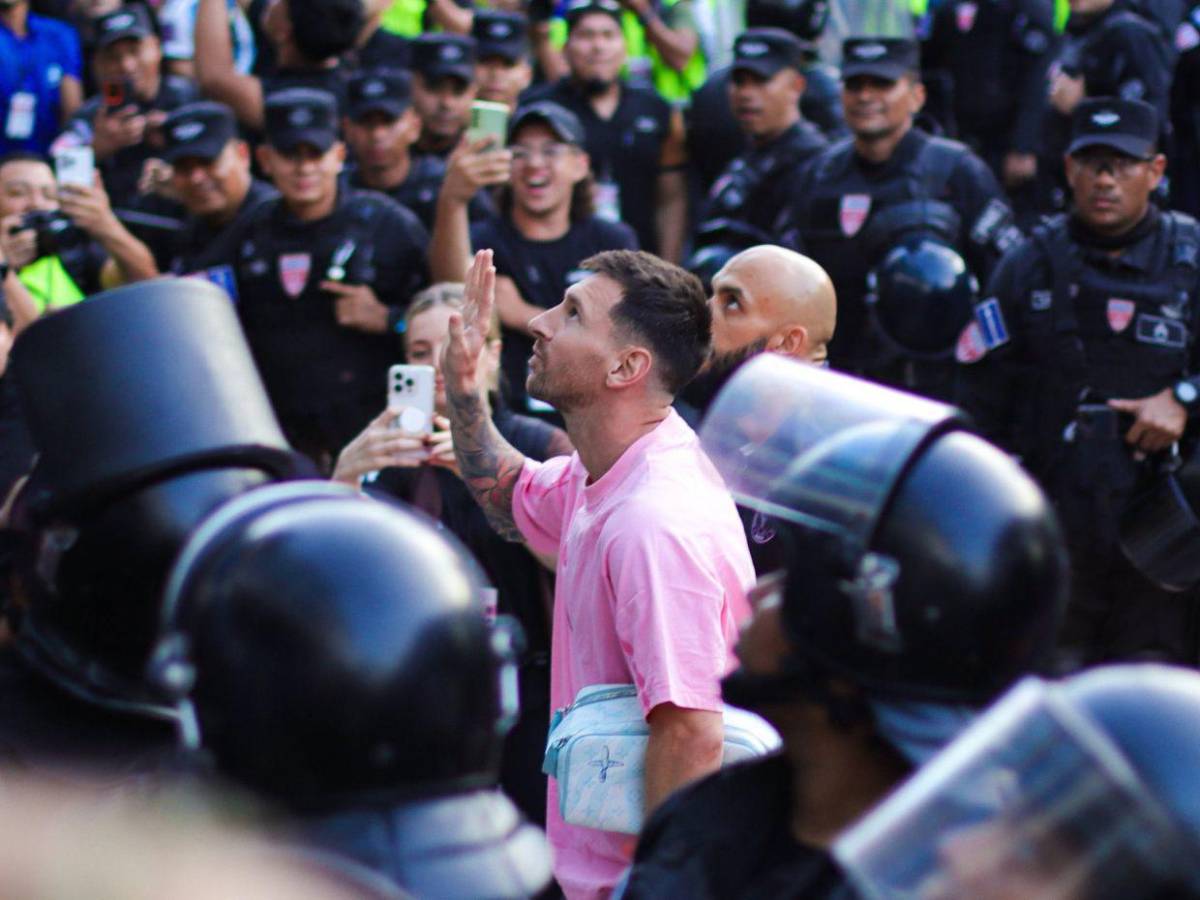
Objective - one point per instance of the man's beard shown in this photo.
(701, 390)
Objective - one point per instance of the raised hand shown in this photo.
(468, 330)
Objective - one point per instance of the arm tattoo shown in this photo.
(489, 465)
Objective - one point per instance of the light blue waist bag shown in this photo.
(597, 752)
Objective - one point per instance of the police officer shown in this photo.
(855, 201)
(322, 276)
(985, 65)
(1109, 50)
(634, 138)
(91, 535)
(502, 68)
(1098, 772)
(876, 637)
(714, 137)
(764, 93)
(119, 124)
(343, 671)
(443, 89)
(1083, 360)
(380, 128)
(210, 175)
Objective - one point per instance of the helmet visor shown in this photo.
(816, 448)
(1032, 801)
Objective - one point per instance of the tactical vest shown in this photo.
(1116, 332)
(645, 62)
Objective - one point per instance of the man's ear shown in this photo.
(581, 165)
(791, 341)
(632, 368)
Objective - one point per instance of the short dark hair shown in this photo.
(325, 28)
(663, 305)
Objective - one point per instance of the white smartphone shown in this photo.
(410, 391)
(75, 165)
(489, 119)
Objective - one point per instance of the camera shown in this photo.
(54, 229)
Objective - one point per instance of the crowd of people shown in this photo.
(849, 379)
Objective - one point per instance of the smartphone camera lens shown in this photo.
(408, 383)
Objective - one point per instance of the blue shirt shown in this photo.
(35, 65)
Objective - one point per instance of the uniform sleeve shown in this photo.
(668, 613)
(540, 502)
(1142, 69)
(987, 219)
(1033, 33)
(789, 224)
(987, 385)
(403, 256)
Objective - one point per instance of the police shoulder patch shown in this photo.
(992, 327)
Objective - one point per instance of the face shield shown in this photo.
(814, 448)
(1032, 802)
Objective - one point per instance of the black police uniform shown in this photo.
(1064, 320)
(714, 139)
(1185, 116)
(745, 852)
(325, 381)
(984, 63)
(122, 170)
(841, 213)
(16, 446)
(748, 189)
(1118, 54)
(333, 81)
(200, 246)
(420, 188)
(625, 150)
(542, 271)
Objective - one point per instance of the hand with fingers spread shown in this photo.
(1159, 420)
(380, 446)
(356, 306)
(473, 166)
(462, 360)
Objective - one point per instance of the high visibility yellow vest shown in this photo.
(50, 284)
(1062, 9)
(405, 18)
(672, 85)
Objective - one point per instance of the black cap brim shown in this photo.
(763, 68)
(1129, 144)
(561, 131)
(885, 69)
(208, 149)
(510, 53)
(319, 138)
(461, 71)
(388, 106)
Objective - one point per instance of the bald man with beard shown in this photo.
(765, 299)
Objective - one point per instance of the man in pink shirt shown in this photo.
(650, 554)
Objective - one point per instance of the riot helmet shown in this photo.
(717, 242)
(1086, 788)
(155, 384)
(922, 563)
(335, 650)
(804, 18)
(921, 296)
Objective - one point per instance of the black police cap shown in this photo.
(387, 91)
(1128, 126)
(436, 56)
(562, 121)
(199, 130)
(883, 57)
(764, 51)
(500, 33)
(299, 116)
(126, 22)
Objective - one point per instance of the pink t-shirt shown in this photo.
(652, 577)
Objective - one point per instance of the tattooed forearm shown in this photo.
(487, 463)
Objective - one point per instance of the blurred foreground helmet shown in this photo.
(804, 18)
(922, 563)
(1085, 789)
(147, 413)
(922, 296)
(337, 659)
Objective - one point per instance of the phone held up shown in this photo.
(410, 393)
